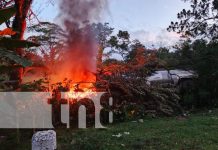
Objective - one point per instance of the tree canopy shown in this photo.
(201, 20)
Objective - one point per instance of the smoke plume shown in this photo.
(81, 47)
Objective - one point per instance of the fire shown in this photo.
(82, 87)
(81, 95)
(82, 90)
(78, 60)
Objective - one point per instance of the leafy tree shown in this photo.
(103, 33)
(51, 38)
(120, 43)
(139, 56)
(12, 48)
(136, 47)
(115, 44)
(201, 57)
(205, 63)
(48, 34)
(19, 25)
(200, 20)
(7, 44)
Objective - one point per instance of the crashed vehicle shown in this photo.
(176, 78)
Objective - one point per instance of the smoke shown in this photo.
(81, 47)
(78, 11)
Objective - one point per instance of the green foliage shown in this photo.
(103, 33)
(39, 85)
(13, 56)
(199, 20)
(6, 14)
(134, 111)
(166, 59)
(201, 57)
(120, 43)
(52, 39)
(48, 34)
(9, 43)
(135, 47)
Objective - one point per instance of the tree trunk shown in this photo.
(100, 57)
(99, 62)
(19, 26)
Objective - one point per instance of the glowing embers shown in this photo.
(82, 90)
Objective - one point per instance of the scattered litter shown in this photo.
(118, 135)
(141, 120)
(127, 133)
(185, 115)
(215, 118)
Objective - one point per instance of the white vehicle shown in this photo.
(174, 78)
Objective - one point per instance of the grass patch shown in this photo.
(198, 132)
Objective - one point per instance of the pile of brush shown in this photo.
(133, 98)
